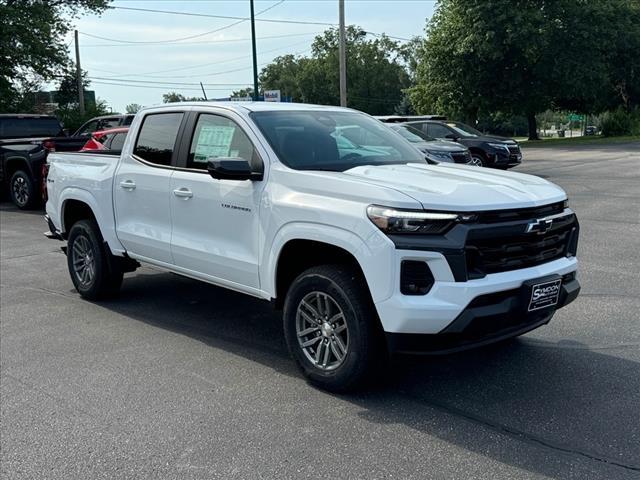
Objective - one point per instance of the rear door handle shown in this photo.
(128, 185)
(183, 193)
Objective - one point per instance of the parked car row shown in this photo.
(26, 140)
(485, 150)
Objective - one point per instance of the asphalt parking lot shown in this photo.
(178, 379)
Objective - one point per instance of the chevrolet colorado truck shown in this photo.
(367, 248)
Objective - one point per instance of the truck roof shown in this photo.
(251, 106)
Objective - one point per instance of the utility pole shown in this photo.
(203, 92)
(255, 59)
(343, 57)
(79, 75)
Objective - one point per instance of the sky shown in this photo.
(130, 68)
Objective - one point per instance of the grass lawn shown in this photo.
(595, 140)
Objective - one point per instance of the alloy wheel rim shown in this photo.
(20, 191)
(322, 331)
(475, 161)
(83, 261)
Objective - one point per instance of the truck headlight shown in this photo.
(391, 220)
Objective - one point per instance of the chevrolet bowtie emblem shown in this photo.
(539, 226)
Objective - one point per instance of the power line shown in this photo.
(228, 17)
(159, 42)
(152, 82)
(203, 42)
(167, 87)
(149, 74)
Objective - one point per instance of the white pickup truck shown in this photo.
(366, 247)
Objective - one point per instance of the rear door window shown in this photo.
(157, 138)
(117, 141)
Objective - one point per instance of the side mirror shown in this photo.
(66, 132)
(231, 168)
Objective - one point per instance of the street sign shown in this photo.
(272, 95)
(574, 117)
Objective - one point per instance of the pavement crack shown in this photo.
(519, 434)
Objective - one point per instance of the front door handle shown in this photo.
(183, 193)
(128, 185)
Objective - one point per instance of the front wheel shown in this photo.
(331, 328)
(476, 160)
(93, 271)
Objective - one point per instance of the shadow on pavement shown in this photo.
(562, 398)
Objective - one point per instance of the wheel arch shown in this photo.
(15, 163)
(78, 204)
(300, 246)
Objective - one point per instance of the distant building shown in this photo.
(45, 102)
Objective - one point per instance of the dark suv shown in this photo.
(486, 150)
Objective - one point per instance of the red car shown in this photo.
(110, 139)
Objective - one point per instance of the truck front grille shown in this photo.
(486, 254)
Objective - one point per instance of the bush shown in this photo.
(620, 122)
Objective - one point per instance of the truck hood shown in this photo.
(462, 188)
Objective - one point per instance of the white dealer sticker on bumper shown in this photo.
(544, 295)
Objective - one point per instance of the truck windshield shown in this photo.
(333, 141)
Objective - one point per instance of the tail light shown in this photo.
(44, 173)
(50, 145)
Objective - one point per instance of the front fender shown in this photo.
(375, 256)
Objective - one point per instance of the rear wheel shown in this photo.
(331, 328)
(22, 190)
(93, 270)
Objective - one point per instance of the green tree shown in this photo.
(517, 57)
(283, 74)
(32, 45)
(68, 109)
(133, 108)
(376, 73)
(243, 93)
(67, 93)
(173, 97)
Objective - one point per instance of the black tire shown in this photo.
(365, 348)
(22, 190)
(106, 279)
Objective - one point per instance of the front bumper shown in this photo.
(506, 159)
(487, 319)
(434, 312)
